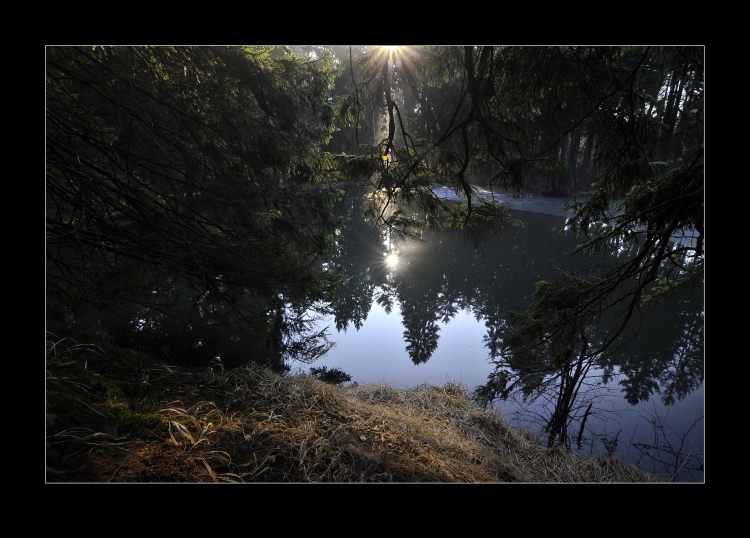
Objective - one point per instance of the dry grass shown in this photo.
(126, 418)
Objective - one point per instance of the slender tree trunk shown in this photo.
(586, 165)
(573, 157)
(671, 111)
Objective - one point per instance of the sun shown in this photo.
(391, 260)
(392, 55)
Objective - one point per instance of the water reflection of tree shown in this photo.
(670, 451)
(547, 362)
(448, 275)
(422, 332)
(356, 256)
(194, 328)
(544, 362)
(674, 371)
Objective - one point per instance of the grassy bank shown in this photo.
(118, 415)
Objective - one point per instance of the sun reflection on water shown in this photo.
(391, 260)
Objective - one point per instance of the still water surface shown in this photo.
(422, 312)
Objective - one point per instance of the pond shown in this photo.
(425, 312)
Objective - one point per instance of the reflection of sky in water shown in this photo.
(377, 352)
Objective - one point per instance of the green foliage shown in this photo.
(334, 376)
(685, 274)
(484, 216)
(188, 166)
(360, 166)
